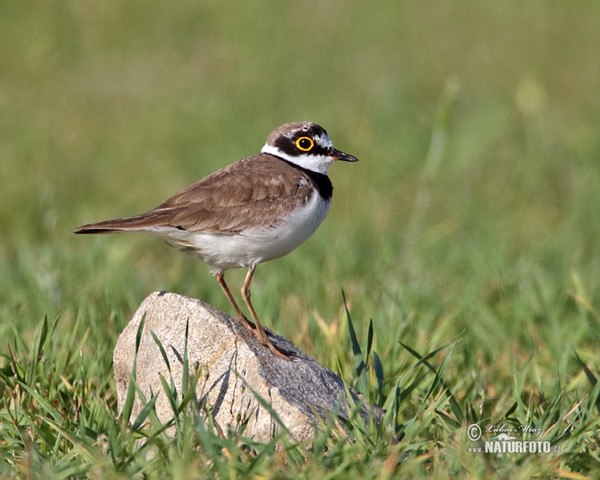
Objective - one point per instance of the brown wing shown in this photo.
(257, 190)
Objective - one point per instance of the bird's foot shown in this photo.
(262, 338)
(280, 352)
(247, 324)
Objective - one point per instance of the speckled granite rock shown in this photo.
(235, 367)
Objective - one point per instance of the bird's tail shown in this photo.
(140, 223)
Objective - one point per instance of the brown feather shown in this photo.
(256, 191)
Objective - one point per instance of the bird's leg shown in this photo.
(220, 276)
(259, 333)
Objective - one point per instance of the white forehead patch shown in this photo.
(323, 141)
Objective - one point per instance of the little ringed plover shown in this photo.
(257, 209)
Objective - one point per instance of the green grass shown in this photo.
(468, 233)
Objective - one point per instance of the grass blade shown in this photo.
(379, 376)
(359, 361)
(132, 387)
(163, 353)
(39, 338)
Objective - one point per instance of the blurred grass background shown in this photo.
(474, 211)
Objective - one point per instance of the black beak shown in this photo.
(343, 156)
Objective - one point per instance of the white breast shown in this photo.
(223, 251)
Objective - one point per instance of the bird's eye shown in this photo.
(305, 143)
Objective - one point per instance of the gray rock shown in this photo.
(236, 370)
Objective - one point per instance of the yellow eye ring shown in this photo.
(305, 144)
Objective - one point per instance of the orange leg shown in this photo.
(259, 333)
(220, 276)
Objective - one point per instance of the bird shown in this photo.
(257, 209)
